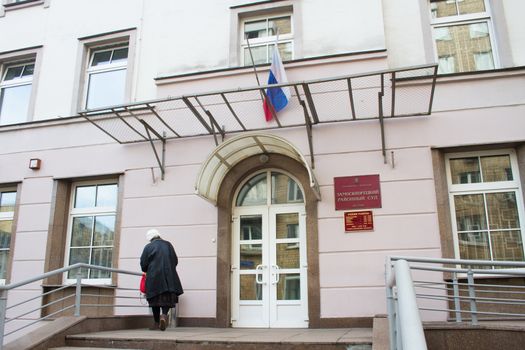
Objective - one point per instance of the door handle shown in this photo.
(276, 274)
(258, 274)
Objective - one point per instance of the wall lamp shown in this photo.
(35, 163)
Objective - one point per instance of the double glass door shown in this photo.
(269, 261)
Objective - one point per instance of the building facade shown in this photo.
(252, 207)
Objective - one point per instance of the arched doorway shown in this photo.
(227, 168)
(269, 261)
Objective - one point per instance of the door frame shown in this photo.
(233, 179)
(269, 303)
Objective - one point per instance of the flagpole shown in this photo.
(261, 91)
(254, 68)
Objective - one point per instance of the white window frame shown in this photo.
(111, 67)
(17, 82)
(269, 40)
(7, 216)
(466, 19)
(79, 212)
(485, 187)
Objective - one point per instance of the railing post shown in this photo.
(78, 294)
(390, 304)
(3, 306)
(472, 296)
(412, 333)
(397, 328)
(457, 304)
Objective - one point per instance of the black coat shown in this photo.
(159, 261)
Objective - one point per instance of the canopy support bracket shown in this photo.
(160, 160)
(382, 125)
(308, 124)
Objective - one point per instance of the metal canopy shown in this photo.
(233, 151)
(377, 95)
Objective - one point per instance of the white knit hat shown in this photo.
(152, 233)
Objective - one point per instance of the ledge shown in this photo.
(302, 62)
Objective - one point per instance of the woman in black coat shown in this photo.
(163, 287)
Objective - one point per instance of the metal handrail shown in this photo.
(77, 294)
(406, 329)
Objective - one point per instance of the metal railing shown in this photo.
(449, 290)
(76, 306)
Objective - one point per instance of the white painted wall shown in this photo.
(408, 37)
(515, 29)
(339, 26)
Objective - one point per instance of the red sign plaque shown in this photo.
(359, 221)
(357, 192)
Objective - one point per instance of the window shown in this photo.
(262, 34)
(463, 37)
(106, 77)
(91, 228)
(486, 204)
(7, 209)
(15, 92)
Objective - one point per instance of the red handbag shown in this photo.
(143, 283)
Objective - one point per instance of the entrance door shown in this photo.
(269, 254)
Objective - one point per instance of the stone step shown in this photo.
(83, 348)
(197, 338)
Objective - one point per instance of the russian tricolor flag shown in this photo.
(276, 97)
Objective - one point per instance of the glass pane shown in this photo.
(81, 234)
(85, 196)
(507, 245)
(13, 73)
(289, 287)
(474, 246)
(120, 55)
(470, 212)
(259, 55)
(248, 288)
(14, 104)
(285, 190)
(250, 256)
(101, 57)
(483, 60)
(4, 255)
(251, 227)
(5, 233)
(287, 255)
(464, 43)
(465, 170)
(78, 255)
(107, 196)
(101, 257)
(471, 6)
(106, 89)
(7, 201)
(255, 29)
(253, 192)
(443, 8)
(28, 70)
(287, 225)
(502, 210)
(285, 50)
(282, 25)
(104, 230)
(496, 168)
